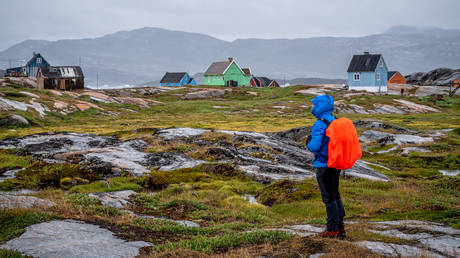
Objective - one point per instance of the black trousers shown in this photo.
(328, 181)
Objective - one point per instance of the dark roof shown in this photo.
(56, 72)
(217, 68)
(264, 81)
(35, 56)
(364, 63)
(391, 74)
(246, 71)
(172, 77)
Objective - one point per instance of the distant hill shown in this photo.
(143, 55)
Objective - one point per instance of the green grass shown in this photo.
(14, 222)
(4, 253)
(110, 185)
(227, 241)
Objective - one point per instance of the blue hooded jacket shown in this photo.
(322, 109)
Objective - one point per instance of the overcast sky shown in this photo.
(224, 19)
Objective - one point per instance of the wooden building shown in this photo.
(227, 73)
(30, 69)
(60, 78)
(177, 79)
(396, 77)
(263, 82)
(368, 72)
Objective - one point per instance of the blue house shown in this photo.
(368, 72)
(31, 68)
(177, 79)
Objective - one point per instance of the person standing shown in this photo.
(328, 178)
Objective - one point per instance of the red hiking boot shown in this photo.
(330, 234)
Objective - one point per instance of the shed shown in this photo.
(60, 78)
(368, 72)
(396, 77)
(177, 79)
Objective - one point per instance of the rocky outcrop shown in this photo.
(9, 105)
(388, 138)
(13, 120)
(8, 201)
(202, 94)
(439, 77)
(117, 199)
(70, 238)
(425, 239)
(266, 157)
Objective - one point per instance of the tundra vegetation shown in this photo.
(215, 194)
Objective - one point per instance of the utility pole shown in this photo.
(79, 61)
(97, 80)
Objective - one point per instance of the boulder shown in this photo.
(99, 97)
(60, 104)
(22, 202)
(388, 138)
(13, 120)
(70, 238)
(140, 102)
(202, 94)
(117, 199)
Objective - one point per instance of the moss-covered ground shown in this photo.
(213, 195)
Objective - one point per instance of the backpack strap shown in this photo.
(325, 121)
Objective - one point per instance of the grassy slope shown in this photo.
(417, 191)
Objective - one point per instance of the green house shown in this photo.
(227, 73)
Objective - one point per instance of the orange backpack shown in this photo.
(343, 149)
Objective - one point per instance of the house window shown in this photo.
(378, 77)
(356, 77)
(381, 63)
(39, 60)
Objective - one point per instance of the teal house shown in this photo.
(177, 79)
(31, 68)
(368, 72)
(227, 73)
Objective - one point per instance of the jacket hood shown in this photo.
(323, 105)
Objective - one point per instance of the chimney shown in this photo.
(366, 53)
(230, 59)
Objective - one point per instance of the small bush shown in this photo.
(286, 191)
(40, 176)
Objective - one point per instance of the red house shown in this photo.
(396, 77)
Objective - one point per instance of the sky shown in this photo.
(224, 19)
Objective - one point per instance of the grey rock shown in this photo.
(379, 125)
(70, 239)
(250, 198)
(13, 120)
(448, 245)
(399, 234)
(408, 150)
(8, 201)
(450, 172)
(204, 94)
(362, 170)
(117, 199)
(388, 138)
(396, 250)
(9, 174)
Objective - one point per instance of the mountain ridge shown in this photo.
(144, 54)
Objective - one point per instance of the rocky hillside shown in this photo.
(437, 77)
(207, 172)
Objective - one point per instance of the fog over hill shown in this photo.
(142, 55)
